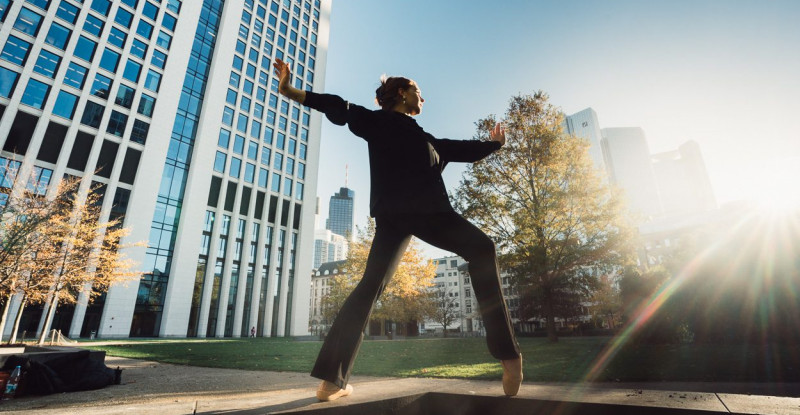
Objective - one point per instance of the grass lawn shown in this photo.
(569, 360)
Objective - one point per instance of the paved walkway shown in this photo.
(165, 389)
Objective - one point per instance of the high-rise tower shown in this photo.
(340, 213)
(171, 106)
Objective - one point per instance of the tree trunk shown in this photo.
(50, 313)
(552, 336)
(17, 320)
(3, 319)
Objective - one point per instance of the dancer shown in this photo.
(407, 198)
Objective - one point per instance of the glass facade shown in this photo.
(101, 65)
(150, 303)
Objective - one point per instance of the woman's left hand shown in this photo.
(498, 133)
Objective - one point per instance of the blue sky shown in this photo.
(723, 73)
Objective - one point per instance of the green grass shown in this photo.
(569, 360)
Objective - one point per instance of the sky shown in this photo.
(725, 74)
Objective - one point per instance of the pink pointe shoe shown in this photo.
(328, 391)
(512, 375)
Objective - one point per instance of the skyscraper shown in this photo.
(172, 108)
(627, 158)
(340, 213)
(683, 183)
(584, 124)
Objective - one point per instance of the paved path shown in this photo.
(165, 389)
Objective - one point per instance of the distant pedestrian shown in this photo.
(408, 198)
(253, 332)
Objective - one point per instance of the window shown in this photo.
(124, 96)
(241, 123)
(301, 171)
(281, 141)
(168, 22)
(101, 6)
(101, 86)
(287, 186)
(139, 131)
(265, 155)
(123, 17)
(67, 12)
(276, 182)
(75, 75)
(144, 29)
(249, 172)
(47, 64)
(224, 138)
(131, 3)
(227, 116)
(150, 11)
(93, 25)
(92, 114)
(252, 150)
(110, 60)
(138, 48)
(174, 6)
(238, 144)
(15, 51)
(263, 176)
(28, 22)
(255, 129)
(248, 87)
(146, 104)
(277, 164)
(40, 179)
(234, 80)
(219, 162)
(236, 166)
(230, 97)
(164, 40)
(57, 36)
(85, 49)
(117, 123)
(153, 81)
(65, 105)
(159, 59)
(303, 148)
(8, 80)
(289, 165)
(244, 105)
(35, 94)
(117, 37)
(132, 71)
(298, 191)
(251, 71)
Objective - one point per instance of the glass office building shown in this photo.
(171, 108)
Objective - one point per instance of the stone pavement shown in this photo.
(165, 389)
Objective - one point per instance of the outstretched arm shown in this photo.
(468, 151)
(285, 82)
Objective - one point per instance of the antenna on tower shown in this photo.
(345, 175)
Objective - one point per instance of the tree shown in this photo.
(23, 213)
(404, 299)
(446, 309)
(558, 226)
(83, 253)
(607, 302)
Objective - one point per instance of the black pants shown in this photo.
(448, 231)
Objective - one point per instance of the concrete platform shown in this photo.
(163, 389)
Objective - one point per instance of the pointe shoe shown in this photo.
(328, 391)
(512, 375)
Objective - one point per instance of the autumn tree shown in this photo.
(83, 254)
(606, 301)
(557, 225)
(24, 210)
(404, 299)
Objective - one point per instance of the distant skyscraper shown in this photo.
(584, 124)
(682, 179)
(627, 158)
(340, 213)
(329, 246)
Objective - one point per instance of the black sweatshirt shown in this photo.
(405, 162)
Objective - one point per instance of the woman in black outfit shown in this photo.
(408, 197)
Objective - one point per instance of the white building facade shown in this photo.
(172, 109)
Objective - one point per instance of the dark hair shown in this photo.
(386, 95)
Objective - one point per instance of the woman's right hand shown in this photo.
(284, 74)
